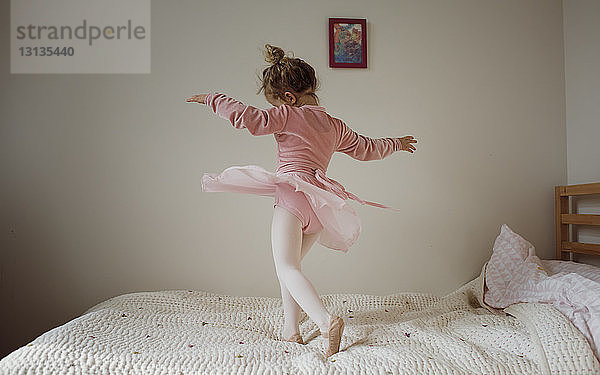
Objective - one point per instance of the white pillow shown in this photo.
(513, 263)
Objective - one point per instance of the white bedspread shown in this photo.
(516, 274)
(195, 332)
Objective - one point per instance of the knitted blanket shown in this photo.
(195, 332)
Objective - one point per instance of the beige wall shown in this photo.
(101, 173)
(582, 87)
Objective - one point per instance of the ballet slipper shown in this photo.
(334, 334)
(295, 338)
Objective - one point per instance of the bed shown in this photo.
(565, 217)
(501, 322)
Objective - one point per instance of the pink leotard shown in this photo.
(306, 137)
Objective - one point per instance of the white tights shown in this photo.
(290, 245)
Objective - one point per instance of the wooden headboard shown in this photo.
(564, 237)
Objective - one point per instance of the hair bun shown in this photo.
(273, 55)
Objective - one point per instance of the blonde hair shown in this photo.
(287, 74)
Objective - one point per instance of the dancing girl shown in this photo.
(308, 205)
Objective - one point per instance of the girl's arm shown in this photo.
(364, 148)
(257, 121)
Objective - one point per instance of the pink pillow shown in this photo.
(512, 264)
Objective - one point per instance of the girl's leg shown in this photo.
(286, 238)
(291, 309)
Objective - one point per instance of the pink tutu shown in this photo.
(327, 197)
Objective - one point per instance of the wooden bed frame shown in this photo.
(565, 245)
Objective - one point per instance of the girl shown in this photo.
(308, 205)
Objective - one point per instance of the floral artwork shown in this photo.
(347, 43)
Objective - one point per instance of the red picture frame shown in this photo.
(347, 42)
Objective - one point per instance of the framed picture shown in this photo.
(348, 42)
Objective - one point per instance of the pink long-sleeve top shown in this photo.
(306, 136)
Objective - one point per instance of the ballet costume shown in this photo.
(306, 137)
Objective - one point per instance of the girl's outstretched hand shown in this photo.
(407, 142)
(197, 99)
